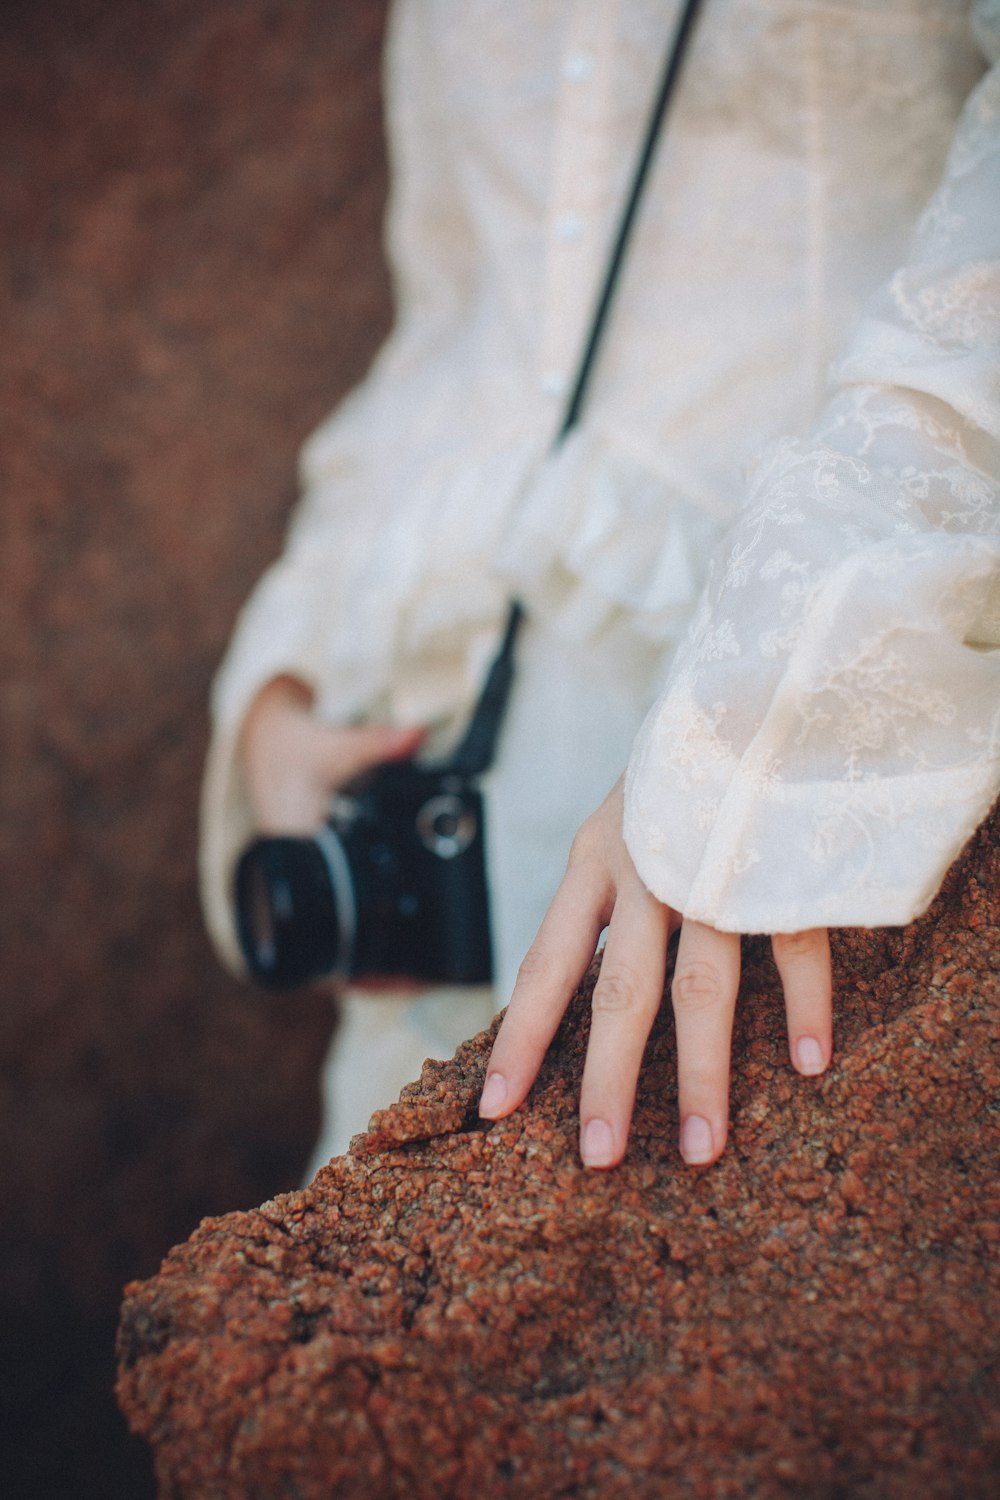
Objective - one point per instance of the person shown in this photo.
(763, 570)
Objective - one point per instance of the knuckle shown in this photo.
(587, 844)
(792, 945)
(535, 968)
(618, 993)
(696, 986)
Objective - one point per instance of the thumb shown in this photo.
(349, 751)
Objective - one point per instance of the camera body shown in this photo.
(393, 884)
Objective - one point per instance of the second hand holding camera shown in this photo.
(394, 883)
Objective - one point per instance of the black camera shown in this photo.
(395, 880)
(394, 883)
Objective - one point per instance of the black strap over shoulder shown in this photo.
(475, 754)
(476, 751)
(599, 318)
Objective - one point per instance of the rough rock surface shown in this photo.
(454, 1311)
(190, 277)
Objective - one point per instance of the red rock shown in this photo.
(454, 1310)
(191, 278)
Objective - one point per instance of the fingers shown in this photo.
(552, 969)
(601, 887)
(703, 994)
(803, 960)
(343, 753)
(626, 999)
(288, 794)
(293, 762)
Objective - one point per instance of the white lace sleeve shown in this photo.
(829, 735)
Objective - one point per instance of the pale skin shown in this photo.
(601, 889)
(293, 763)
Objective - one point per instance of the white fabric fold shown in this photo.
(604, 539)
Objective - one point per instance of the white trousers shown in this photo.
(567, 735)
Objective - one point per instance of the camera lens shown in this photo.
(293, 909)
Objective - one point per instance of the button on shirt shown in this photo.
(803, 565)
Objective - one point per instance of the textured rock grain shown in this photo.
(458, 1311)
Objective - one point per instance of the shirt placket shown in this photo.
(577, 222)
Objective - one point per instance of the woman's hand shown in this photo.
(293, 764)
(601, 889)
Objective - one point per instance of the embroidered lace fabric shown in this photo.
(827, 734)
(830, 732)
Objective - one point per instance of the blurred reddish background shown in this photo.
(192, 192)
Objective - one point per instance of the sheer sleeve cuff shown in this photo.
(830, 733)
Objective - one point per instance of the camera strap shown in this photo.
(475, 753)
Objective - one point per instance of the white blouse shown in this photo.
(828, 735)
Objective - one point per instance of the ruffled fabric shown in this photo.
(604, 542)
(399, 622)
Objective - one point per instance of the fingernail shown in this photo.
(810, 1055)
(597, 1144)
(493, 1096)
(696, 1141)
